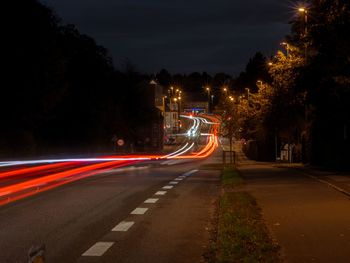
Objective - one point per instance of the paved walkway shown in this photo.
(307, 217)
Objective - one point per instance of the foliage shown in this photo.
(61, 87)
(307, 92)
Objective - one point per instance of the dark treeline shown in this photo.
(62, 92)
(61, 89)
(195, 83)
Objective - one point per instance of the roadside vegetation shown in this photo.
(241, 235)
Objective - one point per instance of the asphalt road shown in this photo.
(75, 221)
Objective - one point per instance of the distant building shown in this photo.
(195, 103)
(171, 117)
(196, 107)
(150, 135)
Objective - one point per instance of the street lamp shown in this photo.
(286, 45)
(248, 93)
(179, 98)
(164, 97)
(303, 11)
(208, 90)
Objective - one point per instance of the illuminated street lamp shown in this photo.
(179, 98)
(208, 90)
(304, 12)
(286, 45)
(164, 97)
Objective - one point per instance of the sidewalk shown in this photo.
(338, 180)
(309, 219)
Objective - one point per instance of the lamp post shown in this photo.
(286, 45)
(164, 97)
(208, 90)
(179, 98)
(248, 93)
(304, 12)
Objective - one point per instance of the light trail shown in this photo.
(46, 186)
(173, 153)
(105, 159)
(91, 166)
(56, 176)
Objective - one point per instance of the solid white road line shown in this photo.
(98, 249)
(190, 172)
(160, 193)
(173, 182)
(167, 187)
(139, 211)
(151, 200)
(123, 226)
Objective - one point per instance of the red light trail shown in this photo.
(60, 171)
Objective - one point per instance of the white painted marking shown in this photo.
(121, 170)
(178, 179)
(98, 249)
(190, 172)
(167, 187)
(123, 226)
(139, 211)
(160, 193)
(151, 200)
(173, 182)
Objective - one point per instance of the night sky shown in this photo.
(181, 36)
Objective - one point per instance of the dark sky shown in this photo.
(181, 36)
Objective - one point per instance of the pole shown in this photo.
(276, 147)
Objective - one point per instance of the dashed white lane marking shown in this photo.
(98, 249)
(178, 179)
(119, 170)
(123, 226)
(139, 211)
(160, 193)
(190, 172)
(173, 182)
(167, 187)
(151, 200)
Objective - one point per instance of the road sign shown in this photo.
(120, 142)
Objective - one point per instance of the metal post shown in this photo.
(276, 147)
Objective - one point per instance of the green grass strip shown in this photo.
(242, 236)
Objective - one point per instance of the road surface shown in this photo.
(73, 218)
(309, 219)
(115, 210)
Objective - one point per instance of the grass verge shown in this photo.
(241, 233)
